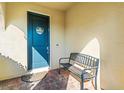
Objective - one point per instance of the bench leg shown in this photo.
(96, 83)
(82, 83)
(59, 70)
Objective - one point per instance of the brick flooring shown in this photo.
(52, 81)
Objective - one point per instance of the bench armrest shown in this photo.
(90, 68)
(63, 58)
(84, 71)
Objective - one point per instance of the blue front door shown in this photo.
(38, 41)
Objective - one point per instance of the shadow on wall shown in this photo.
(93, 48)
(13, 50)
(9, 68)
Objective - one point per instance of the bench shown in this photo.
(83, 66)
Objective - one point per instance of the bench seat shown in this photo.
(66, 65)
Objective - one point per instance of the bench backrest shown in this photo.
(86, 60)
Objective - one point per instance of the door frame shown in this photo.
(29, 58)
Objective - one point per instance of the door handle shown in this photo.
(47, 49)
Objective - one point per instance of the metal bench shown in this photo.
(81, 65)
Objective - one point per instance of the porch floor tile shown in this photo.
(52, 81)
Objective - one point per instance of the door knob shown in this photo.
(47, 49)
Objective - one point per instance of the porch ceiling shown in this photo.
(62, 6)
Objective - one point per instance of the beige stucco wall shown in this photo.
(15, 37)
(2, 16)
(104, 22)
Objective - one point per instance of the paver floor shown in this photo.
(52, 81)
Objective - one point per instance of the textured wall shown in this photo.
(101, 23)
